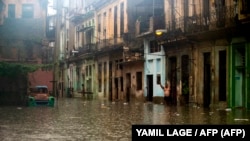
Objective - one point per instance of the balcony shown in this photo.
(88, 48)
(148, 25)
(215, 25)
(109, 44)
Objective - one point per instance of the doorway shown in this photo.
(240, 76)
(128, 86)
(222, 75)
(207, 79)
(185, 78)
(116, 88)
(173, 79)
(110, 82)
(150, 88)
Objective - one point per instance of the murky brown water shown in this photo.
(97, 120)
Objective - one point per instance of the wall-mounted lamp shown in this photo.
(75, 51)
(159, 32)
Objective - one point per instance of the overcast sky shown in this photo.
(51, 11)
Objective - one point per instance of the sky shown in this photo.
(51, 11)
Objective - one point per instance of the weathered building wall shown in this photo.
(102, 74)
(13, 90)
(40, 77)
(133, 83)
(20, 42)
(207, 76)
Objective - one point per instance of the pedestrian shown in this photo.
(166, 90)
(83, 90)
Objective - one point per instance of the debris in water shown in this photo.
(241, 119)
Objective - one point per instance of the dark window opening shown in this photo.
(87, 71)
(100, 85)
(90, 70)
(154, 47)
(206, 12)
(245, 7)
(122, 18)
(185, 74)
(120, 64)
(158, 79)
(99, 23)
(115, 22)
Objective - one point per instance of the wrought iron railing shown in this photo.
(217, 19)
(88, 48)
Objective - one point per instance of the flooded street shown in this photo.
(99, 120)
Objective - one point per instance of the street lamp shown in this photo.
(159, 32)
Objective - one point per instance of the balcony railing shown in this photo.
(109, 44)
(217, 19)
(88, 48)
(149, 24)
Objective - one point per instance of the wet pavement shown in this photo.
(84, 119)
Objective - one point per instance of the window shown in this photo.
(99, 69)
(11, 10)
(139, 80)
(120, 64)
(158, 79)
(122, 18)
(115, 22)
(100, 85)
(158, 65)
(104, 24)
(87, 71)
(117, 64)
(154, 47)
(99, 23)
(27, 11)
(245, 7)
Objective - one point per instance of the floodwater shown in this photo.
(84, 119)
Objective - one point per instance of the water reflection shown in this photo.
(95, 119)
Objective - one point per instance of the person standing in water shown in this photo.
(166, 90)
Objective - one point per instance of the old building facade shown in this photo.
(17, 17)
(205, 51)
(103, 44)
(111, 47)
(22, 41)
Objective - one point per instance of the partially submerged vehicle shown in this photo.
(39, 95)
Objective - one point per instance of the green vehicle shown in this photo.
(40, 96)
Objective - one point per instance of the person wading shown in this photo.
(83, 90)
(166, 90)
